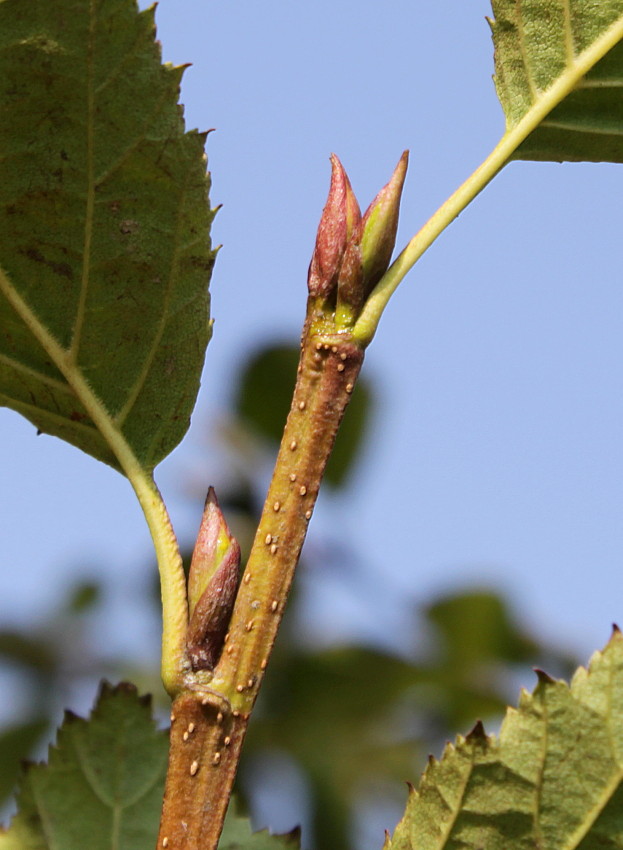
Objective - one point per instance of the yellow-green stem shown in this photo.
(328, 369)
(172, 580)
(368, 321)
(173, 583)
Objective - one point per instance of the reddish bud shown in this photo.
(212, 586)
(350, 278)
(340, 217)
(379, 225)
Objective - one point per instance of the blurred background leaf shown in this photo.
(15, 741)
(263, 397)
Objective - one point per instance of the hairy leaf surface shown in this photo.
(553, 780)
(559, 67)
(104, 230)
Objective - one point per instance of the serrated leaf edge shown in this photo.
(477, 737)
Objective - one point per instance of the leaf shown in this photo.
(32, 651)
(475, 627)
(104, 230)
(103, 784)
(270, 374)
(14, 743)
(354, 717)
(237, 835)
(553, 780)
(559, 77)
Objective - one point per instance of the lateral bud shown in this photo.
(340, 218)
(379, 225)
(212, 586)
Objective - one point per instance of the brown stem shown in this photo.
(205, 745)
(219, 710)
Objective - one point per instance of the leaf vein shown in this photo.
(22, 406)
(83, 764)
(46, 380)
(140, 137)
(134, 393)
(47, 821)
(458, 805)
(538, 785)
(570, 51)
(591, 83)
(583, 830)
(571, 126)
(91, 402)
(116, 69)
(90, 193)
(523, 49)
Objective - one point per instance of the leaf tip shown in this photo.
(477, 733)
(293, 837)
(543, 677)
(69, 716)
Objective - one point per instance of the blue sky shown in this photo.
(496, 455)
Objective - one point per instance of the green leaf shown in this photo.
(104, 231)
(317, 705)
(559, 74)
(237, 835)
(270, 374)
(15, 742)
(475, 627)
(553, 780)
(103, 784)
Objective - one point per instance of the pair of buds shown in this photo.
(352, 252)
(351, 255)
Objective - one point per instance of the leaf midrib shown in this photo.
(617, 776)
(569, 41)
(92, 182)
(63, 361)
(566, 82)
(534, 90)
(47, 380)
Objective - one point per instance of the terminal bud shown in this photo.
(340, 218)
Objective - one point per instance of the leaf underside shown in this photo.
(104, 229)
(569, 44)
(552, 781)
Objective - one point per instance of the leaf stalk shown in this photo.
(173, 584)
(368, 321)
